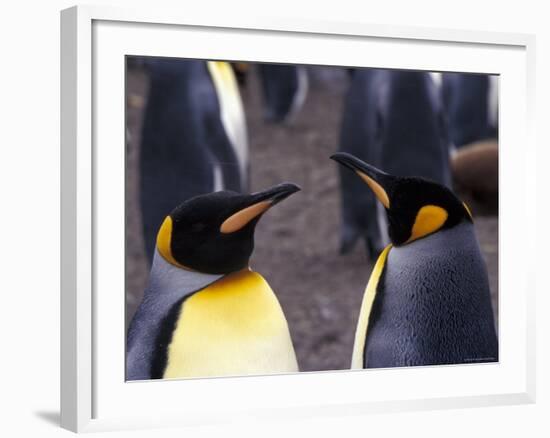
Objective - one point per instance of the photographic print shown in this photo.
(288, 218)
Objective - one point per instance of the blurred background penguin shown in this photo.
(471, 102)
(180, 143)
(393, 119)
(194, 138)
(284, 89)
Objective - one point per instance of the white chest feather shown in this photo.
(231, 109)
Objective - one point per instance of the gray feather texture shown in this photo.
(168, 284)
(433, 304)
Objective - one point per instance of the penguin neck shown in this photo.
(443, 241)
(167, 277)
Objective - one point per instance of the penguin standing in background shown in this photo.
(471, 101)
(428, 300)
(205, 312)
(395, 120)
(471, 104)
(193, 138)
(284, 89)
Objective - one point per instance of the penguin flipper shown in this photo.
(137, 352)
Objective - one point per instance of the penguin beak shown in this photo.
(257, 204)
(377, 180)
(274, 194)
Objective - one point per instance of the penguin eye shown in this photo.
(198, 226)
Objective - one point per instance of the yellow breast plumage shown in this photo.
(235, 326)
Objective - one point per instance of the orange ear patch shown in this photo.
(238, 220)
(164, 239)
(377, 189)
(429, 218)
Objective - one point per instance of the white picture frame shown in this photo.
(94, 396)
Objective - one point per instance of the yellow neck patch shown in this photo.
(164, 239)
(366, 307)
(377, 189)
(429, 218)
(235, 326)
(468, 210)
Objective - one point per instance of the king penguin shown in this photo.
(193, 139)
(205, 312)
(427, 301)
(395, 120)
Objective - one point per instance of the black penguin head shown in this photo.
(214, 233)
(416, 207)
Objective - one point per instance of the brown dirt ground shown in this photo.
(297, 241)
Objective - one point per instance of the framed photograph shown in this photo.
(269, 219)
